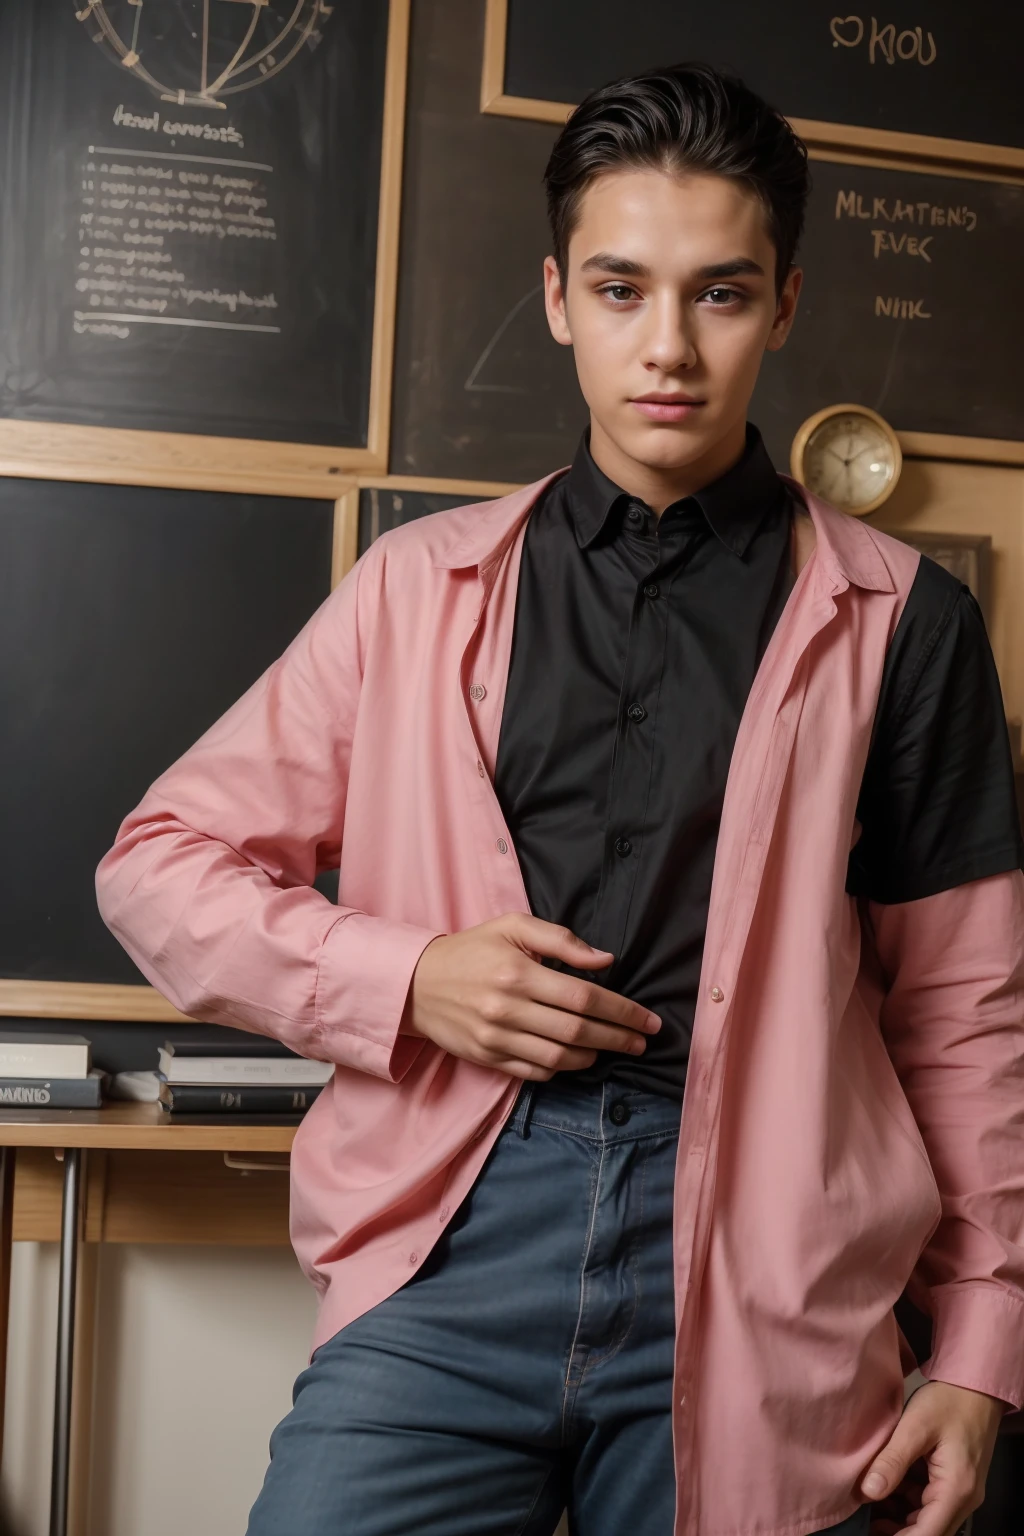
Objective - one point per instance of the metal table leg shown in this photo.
(69, 1230)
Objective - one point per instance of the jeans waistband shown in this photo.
(604, 1111)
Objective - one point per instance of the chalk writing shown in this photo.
(901, 309)
(910, 245)
(855, 206)
(884, 42)
(146, 237)
(150, 122)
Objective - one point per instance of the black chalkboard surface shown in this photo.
(942, 69)
(129, 621)
(188, 215)
(380, 509)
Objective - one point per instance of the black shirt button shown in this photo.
(635, 515)
(636, 712)
(623, 846)
(652, 589)
(619, 1113)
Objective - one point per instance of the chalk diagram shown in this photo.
(194, 52)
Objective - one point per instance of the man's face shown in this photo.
(670, 291)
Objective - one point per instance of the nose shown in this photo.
(669, 344)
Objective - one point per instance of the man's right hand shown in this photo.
(483, 994)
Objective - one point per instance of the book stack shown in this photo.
(40, 1071)
(248, 1076)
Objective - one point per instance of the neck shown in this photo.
(658, 487)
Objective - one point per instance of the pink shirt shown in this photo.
(854, 1105)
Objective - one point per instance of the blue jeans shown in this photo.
(526, 1367)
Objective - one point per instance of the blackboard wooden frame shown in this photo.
(140, 1004)
(186, 461)
(837, 142)
(820, 135)
(346, 540)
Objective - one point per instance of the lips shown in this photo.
(668, 408)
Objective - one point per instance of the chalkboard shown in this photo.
(909, 306)
(481, 391)
(188, 215)
(380, 509)
(942, 69)
(129, 621)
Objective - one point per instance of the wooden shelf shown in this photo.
(141, 1126)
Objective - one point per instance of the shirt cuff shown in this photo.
(363, 979)
(979, 1341)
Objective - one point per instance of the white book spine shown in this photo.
(43, 1061)
(236, 1071)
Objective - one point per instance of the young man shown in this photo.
(659, 773)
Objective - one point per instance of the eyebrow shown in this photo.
(622, 266)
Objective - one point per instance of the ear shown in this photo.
(554, 303)
(785, 312)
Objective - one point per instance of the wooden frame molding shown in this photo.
(182, 460)
(86, 1000)
(919, 146)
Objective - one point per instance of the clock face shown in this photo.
(849, 461)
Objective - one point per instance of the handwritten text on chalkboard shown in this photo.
(883, 41)
(851, 204)
(148, 224)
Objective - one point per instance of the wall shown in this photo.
(196, 1353)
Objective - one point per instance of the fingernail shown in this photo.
(873, 1485)
(653, 1023)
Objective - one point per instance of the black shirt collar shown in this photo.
(734, 505)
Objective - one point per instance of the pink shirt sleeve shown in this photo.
(208, 884)
(953, 1022)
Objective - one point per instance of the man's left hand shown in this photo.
(952, 1432)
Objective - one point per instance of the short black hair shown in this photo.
(688, 117)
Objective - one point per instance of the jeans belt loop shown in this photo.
(529, 1092)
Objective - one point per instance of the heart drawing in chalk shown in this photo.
(838, 25)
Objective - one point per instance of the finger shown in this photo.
(571, 994)
(528, 1045)
(912, 1437)
(572, 1029)
(543, 1057)
(946, 1502)
(555, 942)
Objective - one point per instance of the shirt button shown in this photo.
(635, 515)
(442, 1214)
(636, 712)
(478, 692)
(501, 845)
(717, 995)
(619, 1113)
(652, 589)
(414, 1258)
(480, 768)
(623, 846)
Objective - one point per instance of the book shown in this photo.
(53, 1093)
(206, 1100)
(241, 1044)
(237, 1071)
(32, 1054)
(140, 1087)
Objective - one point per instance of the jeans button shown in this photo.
(619, 1113)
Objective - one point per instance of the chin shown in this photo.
(667, 447)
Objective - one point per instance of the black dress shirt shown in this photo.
(635, 645)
